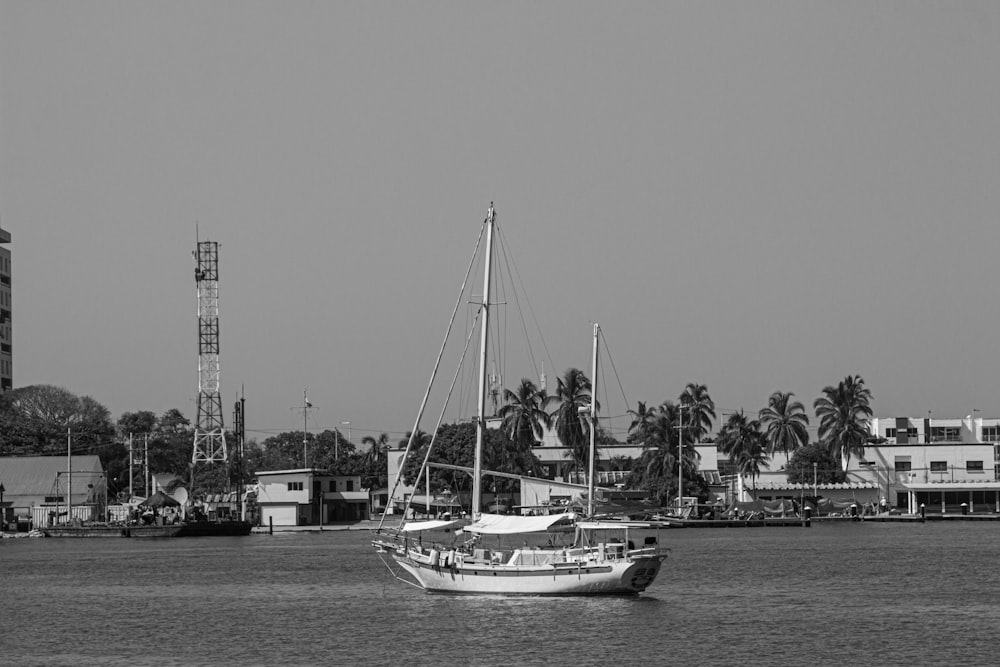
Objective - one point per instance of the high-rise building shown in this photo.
(6, 351)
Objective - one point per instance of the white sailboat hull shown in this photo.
(443, 573)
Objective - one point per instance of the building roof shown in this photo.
(965, 485)
(777, 486)
(38, 475)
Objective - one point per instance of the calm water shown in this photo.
(840, 594)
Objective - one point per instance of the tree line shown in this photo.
(34, 420)
(42, 420)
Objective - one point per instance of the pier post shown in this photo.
(270, 525)
(923, 513)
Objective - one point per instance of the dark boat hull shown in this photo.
(214, 528)
(112, 531)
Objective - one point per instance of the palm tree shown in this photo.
(374, 463)
(572, 424)
(700, 411)
(742, 441)
(843, 413)
(785, 424)
(377, 448)
(524, 419)
(656, 467)
(640, 430)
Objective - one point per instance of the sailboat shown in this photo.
(601, 559)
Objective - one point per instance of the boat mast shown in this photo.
(477, 471)
(593, 424)
(69, 477)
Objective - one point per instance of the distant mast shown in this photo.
(593, 424)
(477, 471)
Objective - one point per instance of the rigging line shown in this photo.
(437, 363)
(607, 350)
(517, 274)
(430, 445)
(517, 303)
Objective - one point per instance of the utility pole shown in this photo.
(306, 407)
(131, 478)
(680, 457)
(69, 476)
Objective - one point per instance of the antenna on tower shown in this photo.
(209, 435)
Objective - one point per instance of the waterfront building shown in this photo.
(309, 497)
(6, 309)
(943, 465)
(36, 488)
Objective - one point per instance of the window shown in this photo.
(991, 433)
(890, 433)
(295, 486)
(939, 466)
(945, 434)
(350, 483)
(333, 485)
(902, 466)
(54, 499)
(973, 466)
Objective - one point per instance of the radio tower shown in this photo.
(209, 436)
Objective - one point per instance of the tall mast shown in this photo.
(593, 424)
(477, 471)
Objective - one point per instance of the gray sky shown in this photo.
(757, 196)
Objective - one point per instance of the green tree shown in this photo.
(843, 413)
(814, 464)
(655, 470)
(523, 415)
(573, 396)
(34, 420)
(374, 463)
(743, 442)
(699, 411)
(136, 423)
(643, 419)
(785, 424)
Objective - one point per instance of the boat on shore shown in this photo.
(182, 529)
(214, 528)
(105, 530)
(481, 559)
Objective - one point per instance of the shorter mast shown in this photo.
(593, 425)
(477, 482)
(69, 477)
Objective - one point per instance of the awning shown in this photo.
(501, 524)
(415, 526)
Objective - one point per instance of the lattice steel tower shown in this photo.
(209, 435)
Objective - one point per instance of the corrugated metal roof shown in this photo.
(36, 475)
